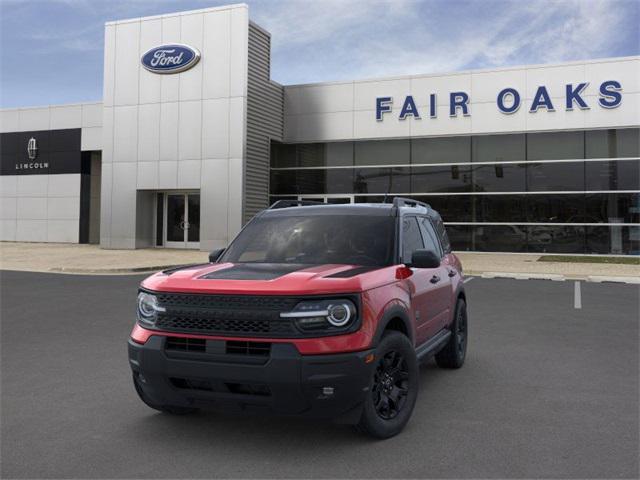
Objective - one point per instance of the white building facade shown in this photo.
(539, 158)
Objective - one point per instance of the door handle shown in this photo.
(435, 279)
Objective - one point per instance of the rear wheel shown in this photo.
(454, 353)
(161, 408)
(393, 388)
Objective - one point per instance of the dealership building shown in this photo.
(192, 138)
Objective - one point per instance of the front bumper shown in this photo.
(282, 382)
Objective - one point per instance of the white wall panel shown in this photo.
(190, 130)
(150, 36)
(109, 68)
(215, 128)
(169, 131)
(214, 203)
(64, 185)
(147, 176)
(485, 86)
(34, 119)
(189, 174)
(365, 93)
(422, 86)
(215, 62)
(8, 230)
(320, 99)
(168, 174)
(236, 171)
(8, 185)
(554, 78)
(91, 138)
(32, 185)
(65, 116)
(237, 127)
(125, 134)
(63, 231)
(626, 72)
(192, 35)
(239, 52)
(8, 208)
(32, 208)
(9, 120)
(63, 208)
(149, 132)
(170, 84)
(31, 230)
(91, 115)
(107, 135)
(127, 63)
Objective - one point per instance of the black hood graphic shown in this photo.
(254, 271)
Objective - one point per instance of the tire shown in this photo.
(173, 410)
(455, 351)
(391, 397)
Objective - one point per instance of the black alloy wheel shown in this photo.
(390, 385)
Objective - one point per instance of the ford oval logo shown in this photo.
(171, 58)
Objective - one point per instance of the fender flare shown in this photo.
(394, 311)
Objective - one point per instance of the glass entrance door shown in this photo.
(182, 220)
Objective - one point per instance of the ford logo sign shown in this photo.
(172, 58)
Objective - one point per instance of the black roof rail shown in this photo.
(293, 203)
(409, 202)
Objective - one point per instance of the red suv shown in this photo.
(318, 310)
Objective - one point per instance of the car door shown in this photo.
(440, 297)
(421, 288)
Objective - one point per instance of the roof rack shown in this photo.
(409, 202)
(293, 203)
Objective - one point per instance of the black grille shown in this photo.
(248, 348)
(217, 387)
(241, 315)
(186, 344)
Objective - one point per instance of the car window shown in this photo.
(430, 240)
(442, 234)
(411, 238)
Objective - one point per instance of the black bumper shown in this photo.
(284, 382)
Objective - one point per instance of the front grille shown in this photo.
(186, 344)
(239, 315)
(261, 349)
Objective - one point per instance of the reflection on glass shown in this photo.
(613, 207)
(613, 240)
(382, 152)
(555, 145)
(543, 177)
(440, 150)
(381, 180)
(175, 218)
(612, 143)
(549, 208)
(556, 239)
(499, 178)
(194, 218)
(446, 178)
(613, 175)
(499, 148)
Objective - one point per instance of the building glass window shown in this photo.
(499, 208)
(452, 208)
(382, 180)
(440, 150)
(549, 177)
(499, 148)
(556, 239)
(382, 152)
(555, 145)
(444, 178)
(615, 240)
(499, 178)
(612, 143)
(613, 175)
(499, 238)
(283, 155)
(612, 207)
(549, 208)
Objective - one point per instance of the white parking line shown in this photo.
(577, 295)
(468, 279)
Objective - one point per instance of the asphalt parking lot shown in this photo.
(548, 390)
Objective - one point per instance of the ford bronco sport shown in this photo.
(318, 310)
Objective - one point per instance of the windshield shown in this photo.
(315, 240)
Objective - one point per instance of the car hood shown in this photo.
(270, 278)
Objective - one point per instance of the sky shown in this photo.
(51, 51)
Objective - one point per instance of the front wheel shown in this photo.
(455, 351)
(393, 388)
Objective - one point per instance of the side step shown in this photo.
(433, 345)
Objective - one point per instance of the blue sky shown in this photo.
(51, 50)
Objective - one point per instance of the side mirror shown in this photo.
(215, 255)
(424, 259)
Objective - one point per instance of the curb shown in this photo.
(555, 277)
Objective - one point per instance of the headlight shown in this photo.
(148, 308)
(323, 314)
